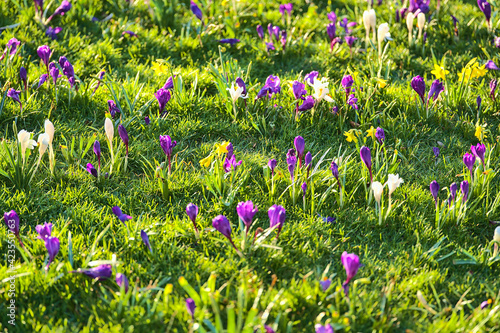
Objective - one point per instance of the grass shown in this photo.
(415, 276)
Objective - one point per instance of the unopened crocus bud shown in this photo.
(110, 130)
(351, 263)
(277, 216)
(409, 24)
(464, 188)
(453, 193)
(299, 144)
(308, 160)
(246, 212)
(124, 136)
(304, 188)
(121, 216)
(196, 11)
(146, 120)
(496, 235)
(97, 152)
(11, 219)
(190, 306)
(418, 84)
(192, 213)
(393, 183)
(380, 135)
(52, 246)
(383, 33)
(44, 53)
(122, 281)
(366, 157)
(434, 187)
(420, 23)
(377, 189)
(44, 230)
(91, 170)
(23, 75)
(260, 32)
(272, 165)
(163, 96)
(435, 150)
(101, 272)
(145, 240)
(221, 224)
(369, 21)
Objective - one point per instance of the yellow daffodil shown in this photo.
(206, 161)
(350, 136)
(465, 74)
(221, 148)
(371, 133)
(480, 133)
(479, 71)
(159, 68)
(381, 83)
(439, 72)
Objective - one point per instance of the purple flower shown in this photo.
(464, 188)
(325, 284)
(97, 152)
(68, 70)
(309, 78)
(330, 30)
(54, 72)
(11, 219)
(366, 157)
(196, 11)
(246, 211)
(146, 120)
(270, 46)
(230, 150)
(167, 144)
(145, 240)
(52, 246)
(434, 190)
(277, 216)
(52, 32)
(436, 88)
(163, 96)
(455, 22)
(221, 224)
(335, 110)
(169, 84)
(323, 329)
(344, 23)
(122, 131)
(469, 161)
(350, 40)
(260, 32)
(493, 87)
(485, 7)
(478, 102)
(350, 261)
(191, 306)
(347, 82)
(61, 10)
(299, 144)
(335, 170)
(14, 94)
(12, 45)
(192, 213)
(113, 109)
(269, 329)
(122, 281)
(274, 82)
(270, 31)
(276, 32)
(286, 8)
(453, 193)
(283, 39)
(272, 165)
(101, 272)
(380, 135)
(44, 230)
(91, 170)
(418, 84)
(496, 41)
(239, 81)
(485, 304)
(23, 75)
(304, 188)
(231, 164)
(42, 79)
(130, 33)
(122, 217)
(352, 100)
(308, 160)
(307, 104)
(230, 41)
(479, 150)
(44, 54)
(38, 6)
(436, 151)
(491, 65)
(291, 161)
(332, 17)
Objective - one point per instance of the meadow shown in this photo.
(249, 166)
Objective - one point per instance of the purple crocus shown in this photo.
(192, 212)
(435, 150)
(331, 30)
(351, 263)
(479, 150)
(455, 24)
(145, 240)
(274, 83)
(231, 164)
(222, 225)
(246, 211)
(196, 11)
(453, 193)
(270, 46)
(485, 7)
(277, 216)
(260, 31)
(307, 104)
(344, 23)
(485, 304)
(478, 102)
(332, 17)
(44, 230)
(38, 6)
(276, 32)
(496, 41)
(436, 88)
(493, 87)
(230, 41)
(299, 144)
(122, 281)
(91, 170)
(113, 108)
(366, 157)
(11, 47)
(163, 96)
(272, 165)
(101, 272)
(239, 81)
(68, 70)
(190, 306)
(146, 120)
(291, 161)
(283, 39)
(44, 53)
(11, 219)
(52, 246)
(491, 65)
(286, 8)
(54, 72)
(14, 94)
(167, 145)
(309, 78)
(352, 101)
(469, 161)
(42, 80)
(52, 32)
(347, 82)
(122, 217)
(97, 152)
(464, 188)
(323, 329)
(130, 33)
(61, 10)
(122, 131)
(23, 75)
(335, 171)
(418, 84)
(101, 76)
(304, 188)
(325, 284)
(380, 135)
(434, 187)
(230, 150)
(298, 89)
(169, 84)
(308, 160)
(350, 42)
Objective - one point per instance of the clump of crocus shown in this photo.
(122, 281)
(121, 216)
(277, 216)
(246, 212)
(222, 225)
(366, 157)
(351, 263)
(145, 240)
(192, 212)
(101, 272)
(11, 220)
(52, 246)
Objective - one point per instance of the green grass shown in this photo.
(277, 283)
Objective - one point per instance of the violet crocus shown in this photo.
(190, 306)
(299, 144)
(101, 272)
(352, 101)
(11, 47)
(479, 150)
(122, 131)
(52, 32)
(97, 152)
(222, 225)
(167, 145)
(308, 160)
(122, 281)
(230, 164)
(344, 23)
(52, 245)
(478, 102)
(350, 42)
(44, 230)
(54, 72)
(270, 46)
(455, 24)
(283, 40)
(42, 80)
(380, 135)
(38, 6)
(435, 150)
(318, 328)
(121, 216)
(23, 75)
(434, 187)
(146, 120)
(196, 11)
(493, 87)
(347, 82)
(307, 104)
(230, 150)
(291, 161)
(91, 170)
(436, 88)
(469, 161)
(304, 189)
(44, 53)
(68, 70)
(418, 84)
(246, 211)
(464, 188)
(276, 32)
(351, 263)
(366, 157)
(130, 33)
(11, 220)
(272, 165)
(61, 10)
(325, 284)
(286, 8)
(485, 7)
(309, 78)
(260, 31)
(14, 94)
(335, 171)
(332, 17)
(230, 41)
(145, 240)
(331, 30)
(163, 96)
(491, 65)
(192, 213)
(169, 84)
(277, 216)
(496, 41)
(453, 193)
(101, 76)
(113, 108)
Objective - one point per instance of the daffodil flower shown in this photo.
(480, 133)
(350, 136)
(371, 133)
(206, 161)
(221, 148)
(439, 72)
(159, 68)
(381, 83)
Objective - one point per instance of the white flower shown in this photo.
(377, 189)
(383, 32)
(43, 143)
(49, 130)
(496, 237)
(109, 129)
(370, 21)
(409, 23)
(321, 90)
(420, 23)
(236, 92)
(393, 182)
(24, 138)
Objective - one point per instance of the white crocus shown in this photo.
(420, 24)
(496, 236)
(43, 144)
(321, 90)
(393, 183)
(236, 92)
(409, 24)
(383, 32)
(110, 132)
(49, 130)
(377, 189)
(24, 138)
(370, 21)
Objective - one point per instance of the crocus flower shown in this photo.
(239, 81)
(24, 139)
(436, 151)
(335, 171)
(347, 82)
(191, 306)
(270, 46)
(101, 272)
(464, 188)
(351, 263)
(323, 329)
(167, 144)
(393, 182)
(23, 75)
(344, 23)
(434, 190)
(369, 21)
(196, 11)
(54, 72)
(272, 165)
(469, 161)
(309, 78)
(493, 87)
(409, 24)
(44, 230)
(380, 135)
(230, 41)
(236, 91)
(38, 6)
(130, 33)
(286, 8)
(11, 47)
(113, 108)
(350, 41)
(276, 32)
(97, 152)
(246, 211)
(146, 120)
(221, 224)
(145, 240)
(478, 102)
(304, 188)
(377, 189)
(382, 33)
(122, 281)
(321, 90)
(11, 219)
(91, 170)
(366, 157)
(453, 193)
(109, 129)
(496, 235)
(122, 217)
(260, 32)
(14, 94)
(485, 304)
(455, 24)
(42, 80)
(331, 30)
(61, 10)
(124, 136)
(52, 246)
(291, 161)
(308, 160)
(231, 164)
(491, 65)
(332, 17)
(418, 84)
(298, 90)
(68, 70)
(169, 84)
(496, 41)
(163, 96)
(420, 23)
(192, 213)
(44, 53)
(274, 83)
(352, 100)
(52, 32)
(325, 283)
(277, 216)
(479, 150)
(299, 144)
(436, 88)
(230, 150)
(485, 7)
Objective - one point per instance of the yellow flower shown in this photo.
(381, 83)
(159, 68)
(465, 75)
(350, 137)
(480, 133)
(221, 148)
(479, 71)
(371, 133)
(346, 321)
(439, 72)
(206, 161)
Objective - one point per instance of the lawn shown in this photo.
(241, 166)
